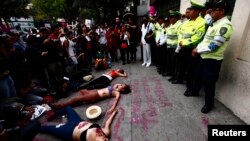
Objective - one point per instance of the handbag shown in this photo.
(149, 32)
(124, 45)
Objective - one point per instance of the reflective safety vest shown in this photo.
(220, 34)
(158, 31)
(172, 36)
(191, 32)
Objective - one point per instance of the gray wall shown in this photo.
(234, 84)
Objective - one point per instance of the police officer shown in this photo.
(211, 50)
(180, 57)
(190, 35)
(172, 41)
(161, 48)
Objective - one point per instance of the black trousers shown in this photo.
(153, 53)
(207, 77)
(125, 55)
(181, 64)
(162, 55)
(132, 51)
(192, 64)
(98, 83)
(171, 61)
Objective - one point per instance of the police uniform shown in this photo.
(211, 50)
(172, 42)
(160, 39)
(190, 34)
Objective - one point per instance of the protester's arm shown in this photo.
(122, 74)
(117, 98)
(106, 129)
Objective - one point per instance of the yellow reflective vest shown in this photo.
(191, 32)
(172, 36)
(158, 31)
(220, 34)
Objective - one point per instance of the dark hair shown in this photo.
(31, 39)
(126, 89)
(121, 71)
(65, 29)
(44, 30)
(79, 31)
(54, 27)
(145, 16)
(161, 17)
(208, 4)
(222, 4)
(69, 33)
(33, 30)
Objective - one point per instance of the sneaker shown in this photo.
(143, 64)
(148, 65)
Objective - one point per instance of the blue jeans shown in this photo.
(31, 99)
(64, 132)
(7, 87)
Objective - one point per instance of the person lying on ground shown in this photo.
(104, 80)
(90, 96)
(77, 129)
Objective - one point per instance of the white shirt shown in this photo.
(102, 33)
(145, 29)
(71, 51)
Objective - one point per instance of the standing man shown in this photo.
(116, 35)
(211, 50)
(172, 41)
(161, 49)
(180, 68)
(132, 29)
(147, 32)
(191, 35)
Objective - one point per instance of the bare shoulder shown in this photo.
(116, 93)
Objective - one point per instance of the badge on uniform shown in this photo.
(223, 30)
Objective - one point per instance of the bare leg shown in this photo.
(84, 96)
(63, 104)
(106, 129)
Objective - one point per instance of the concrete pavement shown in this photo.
(155, 110)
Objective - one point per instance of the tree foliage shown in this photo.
(48, 9)
(13, 8)
(102, 9)
(72, 9)
(68, 9)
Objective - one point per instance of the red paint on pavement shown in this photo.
(205, 121)
(163, 101)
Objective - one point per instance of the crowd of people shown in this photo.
(41, 67)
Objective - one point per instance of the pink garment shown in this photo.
(152, 11)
